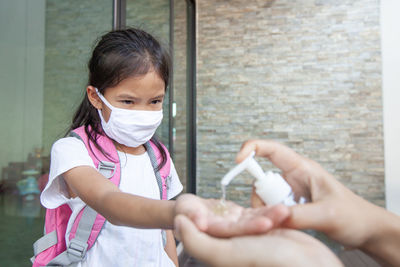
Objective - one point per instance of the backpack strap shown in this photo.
(77, 246)
(163, 173)
(43, 243)
(53, 242)
(88, 223)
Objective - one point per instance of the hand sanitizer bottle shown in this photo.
(271, 187)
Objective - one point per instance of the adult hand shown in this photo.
(280, 247)
(229, 219)
(333, 209)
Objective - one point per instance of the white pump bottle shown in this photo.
(270, 186)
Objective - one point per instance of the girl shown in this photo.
(122, 108)
(128, 76)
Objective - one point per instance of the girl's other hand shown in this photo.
(228, 219)
(279, 247)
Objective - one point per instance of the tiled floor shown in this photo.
(21, 224)
(356, 258)
(350, 258)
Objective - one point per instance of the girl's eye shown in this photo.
(127, 102)
(156, 101)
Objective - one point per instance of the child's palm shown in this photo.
(229, 219)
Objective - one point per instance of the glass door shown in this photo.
(154, 18)
(166, 20)
(44, 48)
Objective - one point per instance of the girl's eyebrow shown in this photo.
(125, 96)
(159, 96)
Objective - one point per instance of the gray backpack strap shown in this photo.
(154, 163)
(73, 134)
(77, 247)
(107, 168)
(44, 243)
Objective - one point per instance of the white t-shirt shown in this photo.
(116, 245)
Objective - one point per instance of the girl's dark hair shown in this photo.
(118, 55)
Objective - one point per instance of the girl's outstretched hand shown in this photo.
(229, 219)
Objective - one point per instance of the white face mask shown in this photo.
(130, 127)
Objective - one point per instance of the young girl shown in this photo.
(113, 216)
(128, 76)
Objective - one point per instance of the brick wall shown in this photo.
(305, 73)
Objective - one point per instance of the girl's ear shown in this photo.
(93, 97)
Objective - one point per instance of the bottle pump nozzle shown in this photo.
(271, 187)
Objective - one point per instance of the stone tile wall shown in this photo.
(305, 73)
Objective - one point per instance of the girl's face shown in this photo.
(138, 93)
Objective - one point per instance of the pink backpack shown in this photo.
(51, 249)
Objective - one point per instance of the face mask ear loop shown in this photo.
(99, 111)
(104, 100)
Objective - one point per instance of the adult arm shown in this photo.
(332, 208)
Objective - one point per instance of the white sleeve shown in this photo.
(174, 185)
(66, 153)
